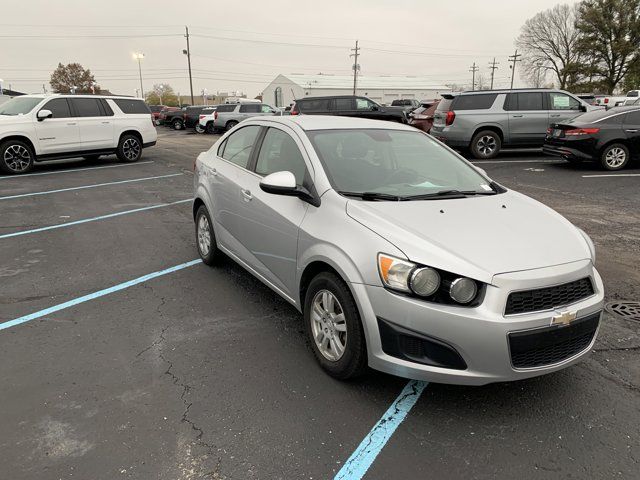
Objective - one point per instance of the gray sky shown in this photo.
(435, 39)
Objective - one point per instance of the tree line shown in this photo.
(591, 46)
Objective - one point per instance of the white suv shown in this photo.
(44, 127)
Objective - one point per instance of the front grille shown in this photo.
(548, 297)
(549, 345)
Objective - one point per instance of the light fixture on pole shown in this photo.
(139, 57)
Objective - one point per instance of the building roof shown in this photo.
(364, 82)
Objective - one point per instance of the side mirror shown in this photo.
(375, 108)
(583, 108)
(284, 183)
(42, 114)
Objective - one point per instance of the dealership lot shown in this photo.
(205, 373)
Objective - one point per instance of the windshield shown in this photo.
(393, 162)
(19, 106)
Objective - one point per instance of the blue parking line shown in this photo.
(72, 170)
(93, 219)
(94, 295)
(46, 192)
(362, 458)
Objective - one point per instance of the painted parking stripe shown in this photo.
(10, 177)
(47, 192)
(612, 175)
(93, 219)
(94, 295)
(362, 458)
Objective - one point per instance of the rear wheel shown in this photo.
(614, 157)
(231, 124)
(205, 238)
(129, 148)
(334, 328)
(486, 144)
(177, 124)
(16, 157)
(211, 128)
(200, 128)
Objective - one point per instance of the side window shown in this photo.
(131, 106)
(265, 109)
(480, 101)
(279, 153)
(363, 104)
(251, 108)
(87, 107)
(342, 104)
(59, 107)
(529, 101)
(561, 101)
(239, 145)
(632, 118)
(314, 105)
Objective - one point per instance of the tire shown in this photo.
(352, 361)
(207, 249)
(199, 128)
(16, 157)
(231, 124)
(614, 157)
(177, 124)
(129, 148)
(210, 128)
(485, 144)
(91, 157)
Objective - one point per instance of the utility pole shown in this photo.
(493, 66)
(356, 67)
(474, 68)
(187, 52)
(513, 59)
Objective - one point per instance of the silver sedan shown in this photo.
(400, 255)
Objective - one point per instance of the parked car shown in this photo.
(228, 116)
(632, 96)
(589, 98)
(409, 104)
(34, 128)
(422, 117)
(162, 116)
(399, 254)
(348, 106)
(174, 119)
(609, 137)
(155, 112)
(485, 121)
(611, 101)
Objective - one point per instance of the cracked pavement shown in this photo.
(206, 373)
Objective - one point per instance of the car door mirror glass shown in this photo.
(42, 114)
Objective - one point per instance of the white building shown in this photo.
(284, 89)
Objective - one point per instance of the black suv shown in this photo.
(348, 106)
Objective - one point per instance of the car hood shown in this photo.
(478, 237)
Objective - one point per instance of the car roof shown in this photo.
(325, 97)
(332, 122)
(501, 90)
(79, 95)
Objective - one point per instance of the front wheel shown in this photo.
(486, 144)
(129, 149)
(205, 238)
(614, 157)
(200, 128)
(334, 328)
(16, 157)
(177, 124)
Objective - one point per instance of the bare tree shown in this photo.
(549, 42)
(481, 82)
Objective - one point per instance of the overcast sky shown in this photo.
(242, 45)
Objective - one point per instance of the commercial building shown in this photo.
(284, 89)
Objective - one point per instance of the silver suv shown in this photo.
(486, 121)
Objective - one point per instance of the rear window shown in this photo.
(313, 105)
(445, 104)
(131, 106)
(250, 108)
(474, 102)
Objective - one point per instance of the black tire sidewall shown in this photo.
(5, 168)
(354, 360)
(177, 125)
(604, 153)
(231, 124)
(120, 153)
(214, 253)
(210, 128)
(474, 143)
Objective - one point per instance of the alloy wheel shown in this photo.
(328, 325)
(131, 148)
(615, 157)
(17, 158)
(486, 145)
(204, 235)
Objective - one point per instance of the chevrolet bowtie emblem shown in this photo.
(565, 318)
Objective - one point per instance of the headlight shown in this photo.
(395, 272)
(425, 281)
(463, 290)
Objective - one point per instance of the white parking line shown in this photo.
(612, 175)
(46, 192)
(9, 177)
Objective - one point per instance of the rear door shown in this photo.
(562, 107)
(96, 124)
(248, 110)
(631, 125)
(528, 118)
(60, 133)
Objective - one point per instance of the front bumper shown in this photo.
(479, 335)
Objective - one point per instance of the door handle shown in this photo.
(72, 123)
(632, 130)
(518, 116)
(555, 116)
(214, 172)
(107, 123)
(246, 194)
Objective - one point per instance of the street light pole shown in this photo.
(139, 57)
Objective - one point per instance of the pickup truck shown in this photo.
(227, 116)
(409, 104)
(348, 106)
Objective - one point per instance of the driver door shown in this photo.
(60, 133)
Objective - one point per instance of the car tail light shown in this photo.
(606, 100)
(451, 116)
(549, 131)
(574, 132)
(215, 115)
(294, 111)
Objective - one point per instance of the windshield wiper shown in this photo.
(372, 196)
(448, 194)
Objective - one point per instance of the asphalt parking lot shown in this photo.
(200, 373)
